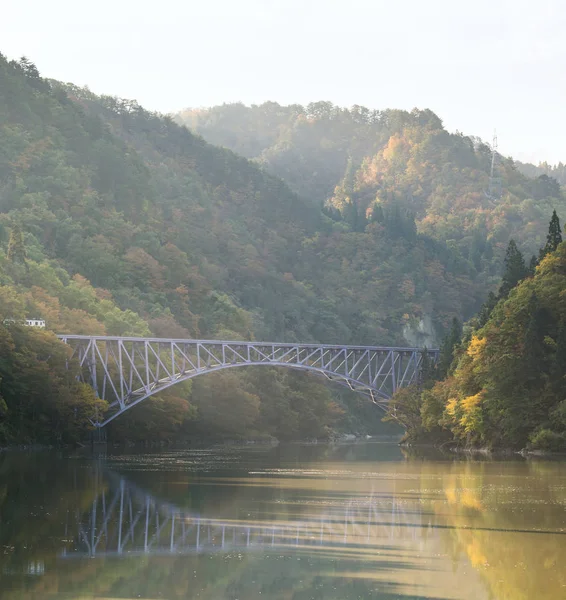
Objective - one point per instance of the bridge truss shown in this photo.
(124, 371)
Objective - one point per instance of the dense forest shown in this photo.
(393, 167)
(501, 383)
(330, 225)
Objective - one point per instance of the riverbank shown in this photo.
(454, 447)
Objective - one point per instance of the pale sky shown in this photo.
(479, 64)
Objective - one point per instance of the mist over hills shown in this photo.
(345, 226)
(375, 158)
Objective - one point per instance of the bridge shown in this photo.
(126, 520)
(124, 371)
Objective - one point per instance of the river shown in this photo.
(295, 522)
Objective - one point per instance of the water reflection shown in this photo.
(125, 519)
(289, 523)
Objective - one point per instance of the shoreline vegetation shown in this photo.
(454, 448)
(420, 448)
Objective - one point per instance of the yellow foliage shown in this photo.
(471, 402)
(451, 495)
(451, 406)
(469, 500)
(476, 556)
(470, 406)
(476, 346)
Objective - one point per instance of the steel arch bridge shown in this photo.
(124, 371)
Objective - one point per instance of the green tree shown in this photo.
(554, 237)
(533, 264)
(515, 269)
(559, 364)
(16, 245)
(486, 310)
(450, 342)
(545, 187)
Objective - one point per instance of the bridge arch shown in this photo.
(126, 371)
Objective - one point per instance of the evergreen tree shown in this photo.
(409, 226)
(349, 178)
(16, 246)
(486, 309)
(447, 348)
(554, 237)
(393, 220)
(350, 215)
(515, 269)
(531, 410)
(534, 348)
(377, 214)
(559, 362)
(545, 187)
(428, 370)
(533, 265)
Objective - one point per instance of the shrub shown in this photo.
(545, 439)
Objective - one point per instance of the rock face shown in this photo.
(421, 334)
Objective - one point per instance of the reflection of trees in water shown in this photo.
(81, 504)
(488, 513)
(510, 523)
(38, 493)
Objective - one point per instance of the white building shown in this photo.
(35, 323)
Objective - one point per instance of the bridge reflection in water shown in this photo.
(126, 520)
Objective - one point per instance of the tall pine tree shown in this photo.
(515, 269)
(554, 237)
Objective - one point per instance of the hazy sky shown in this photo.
(479, 64)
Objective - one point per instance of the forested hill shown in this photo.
(362, 163)
(197, 240)
(116, 220)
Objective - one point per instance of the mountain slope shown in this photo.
(359, 162)
(126, 223)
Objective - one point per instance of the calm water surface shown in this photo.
(281, 523)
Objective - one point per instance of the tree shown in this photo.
(533, 340)
(545, 187)
(29, 69)
(377, 214)
(554, 237)
(16, 245)
(486, 309)
(12, 305)
(404, 408)
(558, 367)
(447, 348)
(428, 372)
(515, 269)
(533, 264)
